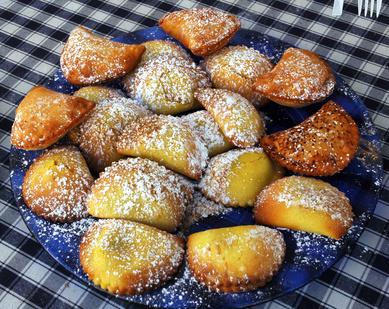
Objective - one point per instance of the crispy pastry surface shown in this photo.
(322, 145)
(300, 78)
(44, 116)
(203, 31)
(306, 204)
(56, 185)
(127, 258)
(88, 59)
(235, 259)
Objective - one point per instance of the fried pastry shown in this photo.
(98, 93)
(167, 140)
(97, 136)
(156, 48)
(56, 185)
(235, 259)
(44, 116)
(235, 178)
(236, 68)
(88, 59)
(166, 84)
(129, 258)
(140, 190)
(237, 118)
(306, 204)
(300, 78)
(205, 127)
(203, 30)
(322, 145)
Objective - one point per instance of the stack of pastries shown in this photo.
(178, 130)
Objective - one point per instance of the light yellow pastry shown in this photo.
(235, 259)
(236, 177)
(236, 68)
(205, 127)
(97, 136)
(166, 84)
(167, 140)
(306, 204)
(97, 93)
(237, 118)
(56, 185)
(129, 258)
(140, 190)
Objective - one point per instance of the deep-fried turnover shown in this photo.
(44, 116)
(300, 78)
(236, 68)
(126, 258)
(235, 259)
(98, 93)
(306, 204)
(56, 185)
(321, 145)
(88, 59)
(140, 190)
(203, 30)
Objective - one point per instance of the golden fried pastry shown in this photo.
(97, 136)
(88, 59)
(235, 259)
(237, 118)
(205, 127)
(56, 185)
(44, 116)
(98, 93)
(203, 30)
(200, 207)
(306, 204)
(157, 48)
(140, 190)
(235, 178)
(166, 84)
(129, 258)
(167, 140)
(321, 145)
(236, 68)
(300, 78)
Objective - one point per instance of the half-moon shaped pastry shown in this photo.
(88, 59)
(205, 126)
(300, 78)
(44, 116)
(236, 68)
(56, 185)
(97, 136)
(203, 30)
(156, 48)
(305, 204)
(140, 190)
(166, 84)
(98, 93)
(167, 140)
(236, 177)
(129, 258)
(321, 145)
(236, 117)
(235, 259)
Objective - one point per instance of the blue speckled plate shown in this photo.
(307, 256)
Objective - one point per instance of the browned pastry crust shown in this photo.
(235, 259)
(300, 78)
(127, 258)
(56, 185)
(88, 59)
(236, 68)
(203, 31)
(44, 116)
(321, 145)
